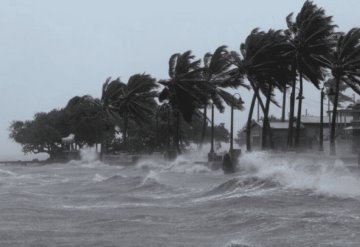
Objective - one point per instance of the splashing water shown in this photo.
(271, 201)
(328, 176)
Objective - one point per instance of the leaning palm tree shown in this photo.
(344, 62)
(183, 90)
(134, 100)
(262, 60)
(308, 37)
(217, 77)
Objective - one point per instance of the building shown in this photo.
(355, 125)
(279, 131)
(312, 126)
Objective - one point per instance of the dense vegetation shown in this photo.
(166, 114)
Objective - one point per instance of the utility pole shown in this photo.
(239, 102)
(258, 111)
(329, 112)
(231, 129)
(321, 138)
(212, 129)
(283, 106)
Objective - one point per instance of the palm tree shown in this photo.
(308, 37)
(110, 91)
(265, 65)
(183, 90)
(134, 100)
(344, 62)
(217, 77)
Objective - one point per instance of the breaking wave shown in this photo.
(320, 175)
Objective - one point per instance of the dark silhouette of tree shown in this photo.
(344, 62)
(217, 77)
(134, 100)
(85, 118)
(263, 61)
(42, 134)
(184, 90)
(309, 37)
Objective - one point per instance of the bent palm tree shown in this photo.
(309, 38)
(183, 90)
(344, 62)
(217, 77)
(265, 65)
(134, 100)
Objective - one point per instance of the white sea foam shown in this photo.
(151, 177)
(7, 173)
(189, 168)
(98, 178)
(321, 175)
(236, 243)
(150, 164)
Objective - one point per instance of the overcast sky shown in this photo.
(51, 51)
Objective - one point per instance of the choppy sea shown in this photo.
(270, 201)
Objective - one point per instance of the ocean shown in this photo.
(272, 200)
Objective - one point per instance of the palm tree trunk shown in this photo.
(248, 125)
(298, 119)
(266, 122)
(283, 106)
(204, 127)
(256, 91)
(333, 122)
(292, 110)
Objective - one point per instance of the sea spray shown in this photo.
(321, 175)
(89, 158)
(185, 163)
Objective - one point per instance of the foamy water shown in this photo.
(271, 200)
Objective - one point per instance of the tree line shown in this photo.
(310, 49)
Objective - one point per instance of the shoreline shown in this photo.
(348, 159)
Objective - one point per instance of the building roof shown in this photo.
(279, 125)
(313, 119)
(352, 128)
(316, 119)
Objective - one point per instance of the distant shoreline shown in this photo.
(25, 162)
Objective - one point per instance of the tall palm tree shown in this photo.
(344, 62)
(183, 90)
(309, 38)
(262, 60)
(217, 77)
(134, 100)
